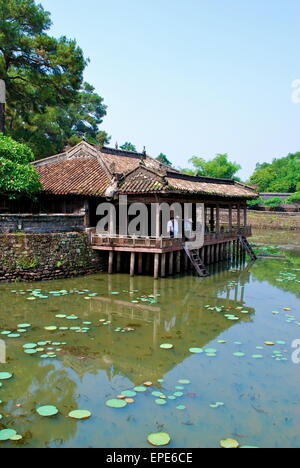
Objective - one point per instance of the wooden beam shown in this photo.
(178, 262)
(171, 262)
(140, 264)
(163, 265)
(132, 263)
(156, 266)
(110, 262)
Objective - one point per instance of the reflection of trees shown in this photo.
(178, 316)
(37, 383)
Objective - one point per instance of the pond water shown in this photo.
(107, 340)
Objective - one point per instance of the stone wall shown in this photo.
(41, 223)
(38, 257)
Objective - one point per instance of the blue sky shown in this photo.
(192, 77)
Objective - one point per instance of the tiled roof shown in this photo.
(74, 177)
(88, 170)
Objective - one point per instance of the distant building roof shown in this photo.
(89, 170)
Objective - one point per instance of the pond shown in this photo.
(82, 342)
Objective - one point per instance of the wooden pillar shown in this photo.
(208, 255)
(171, 261)
(118, 262)
(132, 263)
(186, 262)
(140, 263)
(157, 220)
(86, 214)
(239, 215)
(245, 215)
(110, 262)
(178, 261)
(230, 217)
(218, 219)
(156, 266)
(212, 219)
(163, 265)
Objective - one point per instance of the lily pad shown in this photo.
(80, 414)
(166, 346)
(116, 403)
(159, 439)
(47, 411)
(5, 375)
(229, 443)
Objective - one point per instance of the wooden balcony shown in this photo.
(160, 245)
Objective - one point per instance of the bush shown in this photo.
(255, 203)
(17, 175)
(293, 199)
(273, 202)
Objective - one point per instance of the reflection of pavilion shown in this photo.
(181, 320)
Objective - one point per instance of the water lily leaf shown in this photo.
(47, 411)
(166, 346)
(229, 443)
(116, 403)
(80, 414)
(159, 439)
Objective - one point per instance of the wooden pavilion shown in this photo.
(77, 180)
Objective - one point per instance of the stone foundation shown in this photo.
(39, 257)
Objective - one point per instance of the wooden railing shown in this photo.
(108, 242)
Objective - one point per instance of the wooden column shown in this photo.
(118, 262)
(163, 265)
(239, 215)
(156, 266)
(86, 214)
(230, 216)
(132, 263)
(208, 255)
(140, 264)
(218, 219)
(245, 215)
(171, 262)
(110, 262)
(212, 218)
(178, 261)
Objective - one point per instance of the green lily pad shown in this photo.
(6, 434)
(116, 403)
(196, 350)
(5, 375)
(47, 411)
(166, 346)
(159, 439)
(80, 414)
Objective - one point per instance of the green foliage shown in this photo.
(293, 199)
(17, 175)
(255, 203)
(282, 175)
(48, 105)
(164, 160)
(273, 202)
(48, 133)
(128, 147)
(219, 167)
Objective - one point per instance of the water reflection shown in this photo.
(93, 366)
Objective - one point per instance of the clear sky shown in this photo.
(192, 77)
